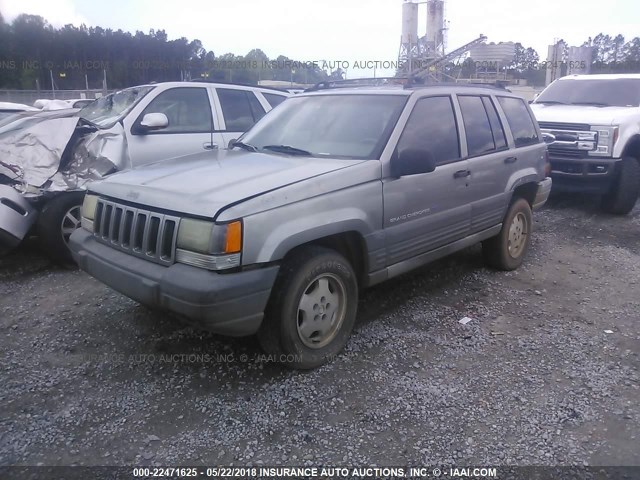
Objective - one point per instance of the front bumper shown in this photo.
(542, 195)
(17, 216)
(230, 304)
(590, 175)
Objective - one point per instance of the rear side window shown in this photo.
(476, 125)
(273, 99)
(241, 109)
(520, 121)
(432, 126)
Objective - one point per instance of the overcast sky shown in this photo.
(345, 30)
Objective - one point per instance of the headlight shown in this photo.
(88, 212)
(607, 138)
(209, 245)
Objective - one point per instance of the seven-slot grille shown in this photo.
(143, 233)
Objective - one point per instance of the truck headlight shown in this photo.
(88, 212)
(209, 245)
(607, 138)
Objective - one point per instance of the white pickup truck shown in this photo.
(46, 162)
(595, 120)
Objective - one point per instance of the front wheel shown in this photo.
(312, 310)
(507, 250)
(623, 195)
(59, 218)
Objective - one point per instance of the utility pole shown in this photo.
(53, 85)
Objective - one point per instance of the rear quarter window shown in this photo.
(520, 121)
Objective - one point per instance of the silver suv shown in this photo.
(331, 192)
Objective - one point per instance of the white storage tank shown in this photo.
(409, 23)
(435, 23)
(579, 60)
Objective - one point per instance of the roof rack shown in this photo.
(361, 82)
(496, 86)
(405, 82)
(205, 80)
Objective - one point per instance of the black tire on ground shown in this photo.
(58, 219)
(623, 195)
(507, 250)
(312, 308)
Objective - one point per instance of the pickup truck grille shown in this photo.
(581, 127)
(573, 140)
(142, 233)
(565, 152)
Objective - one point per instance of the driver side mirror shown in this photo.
(412, 161)
(154, 121)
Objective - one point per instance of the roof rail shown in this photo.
(405, 82)
(204, 80)
(493, 86)
(360, 82)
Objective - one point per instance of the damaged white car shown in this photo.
(46, 163)
(7, 109)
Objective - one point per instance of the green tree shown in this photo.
(31, 51)
(524, 58)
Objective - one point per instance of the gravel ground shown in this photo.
(91, 378)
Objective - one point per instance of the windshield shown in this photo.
(107, 110)
(338, 126)
(623, 92)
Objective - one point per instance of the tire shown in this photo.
(312, 309)
(623, 195)
(59, 218)
(507, 250)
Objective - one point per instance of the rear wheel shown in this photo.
(312, 310)
(59, 218)
(507, 250)
(623, 195)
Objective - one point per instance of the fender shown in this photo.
(521, 177)
(281, 241)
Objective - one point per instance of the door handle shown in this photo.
(511, 160)
(462, 174)
(210, 146)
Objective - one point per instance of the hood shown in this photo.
(204, 183)
(582, 114)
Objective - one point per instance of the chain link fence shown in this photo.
(28, 97)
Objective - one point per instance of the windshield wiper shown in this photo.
(244, 146)
(551, 102)
(595, 104)
(287, 149)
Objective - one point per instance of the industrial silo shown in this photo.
(435, 24)
(409, 23)
(579, 60)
